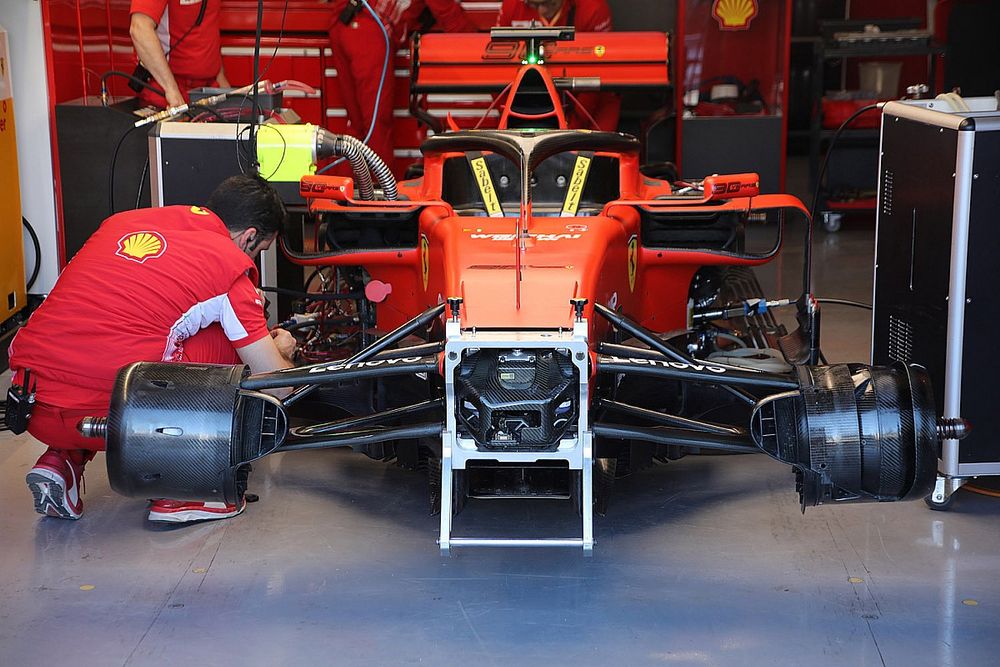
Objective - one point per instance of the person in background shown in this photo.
(585, 16)
(176, 283)
(178, 43)
(359, 52)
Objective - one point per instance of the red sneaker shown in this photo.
(179, 511)
(55, 484)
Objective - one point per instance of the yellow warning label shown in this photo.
(572, 202)
(633, 261)
(486, 189)
(425, 259)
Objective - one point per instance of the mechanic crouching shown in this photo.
(160, 284)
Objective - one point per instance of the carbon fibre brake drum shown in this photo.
(186, 431)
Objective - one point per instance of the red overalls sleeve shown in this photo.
(242, 317)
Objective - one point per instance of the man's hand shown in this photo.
(285, 342)
(142, 29)
(174, 98)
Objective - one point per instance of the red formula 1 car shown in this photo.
(552, 319)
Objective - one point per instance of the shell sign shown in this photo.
(140, 246)
(734, 14)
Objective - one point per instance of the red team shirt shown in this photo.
(585, 15)
(143, 283)
(196, 57)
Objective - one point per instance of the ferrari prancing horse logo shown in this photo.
(633, 261)
(425, 259)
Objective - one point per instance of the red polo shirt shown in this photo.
(585, 15)
(197, 56)
(143, 283)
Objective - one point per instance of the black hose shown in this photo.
(323, 296)
(137, 81)
(38, 253)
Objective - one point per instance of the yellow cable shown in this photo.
(981, 491)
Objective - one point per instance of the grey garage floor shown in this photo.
(705, 561)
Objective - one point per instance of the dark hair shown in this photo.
(246, 201)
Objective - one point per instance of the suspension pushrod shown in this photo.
(340, 371)
(381, 344)
(357, 439)
(341, 425)
(664, 435)
(670, 420)
(617, 350)
(625, 324)
(697, 372)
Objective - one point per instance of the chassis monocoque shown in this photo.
(551, 319)
(587, 327)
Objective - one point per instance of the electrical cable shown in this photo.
(496, 99)
(845, 302)
(826, 158)
(255, 89)
(136, 80)
(992, 493)
(954, 100)
(38, 253)
(111, 170)
(381, 82)
(142, 181)
(254, 86)
(583, 110)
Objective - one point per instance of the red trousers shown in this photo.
(358, 53)
(55, 425)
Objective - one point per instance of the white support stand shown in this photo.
(457, 451)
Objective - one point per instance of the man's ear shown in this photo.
(246, 238)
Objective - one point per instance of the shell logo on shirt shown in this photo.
(734, 14)
(140, 246)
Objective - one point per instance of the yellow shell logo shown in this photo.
(734, 14)
(599, 50)
(140, 246)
